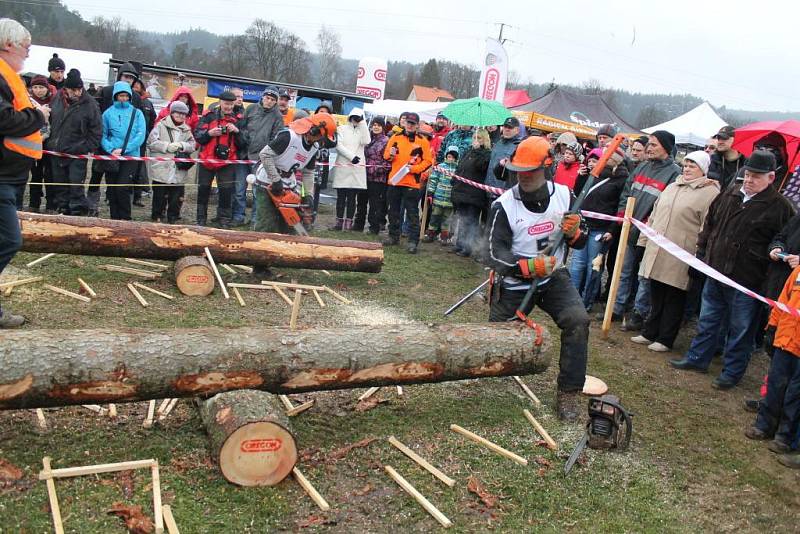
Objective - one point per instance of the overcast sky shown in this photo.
(734, 53)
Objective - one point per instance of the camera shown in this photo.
(223, 129)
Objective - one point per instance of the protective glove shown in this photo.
(277, 188)
(571, 226)
(173, 147)
(769, 337)
(539, 267)
(355, 160)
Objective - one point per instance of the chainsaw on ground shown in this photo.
(609, 427)
(291, 207)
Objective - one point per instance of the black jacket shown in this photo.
(788, 240)
(604, 196)
(76, 128)
(724, 171)
(736, 235)
(14, 167)
(473, 166)
(106, 98)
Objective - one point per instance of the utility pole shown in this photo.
(500, 37)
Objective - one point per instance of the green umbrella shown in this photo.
(476, 112)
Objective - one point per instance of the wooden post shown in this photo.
(216, 273)
(298, 298)
(551, 443)
(411, 490)
(40, 259)
(58, 524)
(138, 296)
(169, 520)
(151, 408)
(623, 245)
(422, 462)
(153, 291)
(86, 287)
(67, 293)
(489, 445)
(528, 391)
(310, 490)
(15, 283)
(157, 512)
(238, 296)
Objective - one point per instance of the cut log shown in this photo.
(194, 277)
(103, 237)
(104, 366)
(250, 437)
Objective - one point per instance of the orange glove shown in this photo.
(540, 267)
(571, 226)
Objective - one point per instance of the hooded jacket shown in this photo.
(440, 184)
(209, 121)
(724, 171)
(461, 139)
(106, 99)
(567, 173)
(377, 167)
(649, 179)
(261, 127)
(115, 125)
(350, 144)
(603, 197)
(75, 127)
(166, 132)
(472, 166)
(193, 118)
(787, 327)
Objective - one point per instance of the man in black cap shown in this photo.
(725, 162)
(283, 106)
(262, 122)
(56, 68)
(127, 72)
(502, 151)
(740, 225)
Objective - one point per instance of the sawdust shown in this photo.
(370, 314)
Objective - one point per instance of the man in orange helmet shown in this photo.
(522, 223)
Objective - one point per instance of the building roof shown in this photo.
(430, 94)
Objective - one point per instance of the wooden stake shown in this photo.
(612, 290)
(425, 503)
(400, 390)
(227, 268)
(292, 285)
(168, 409)
(162, 407)
(138, 295)
(127, 270)
(298, 298)
(15, 283)
(244, 268)
(489, 445)
(112, 410)
(159, 518)
(216, 273)
(325, 272)
(40, 259)
(7, 291)
(370, 392)
(152, 265)
(86, 287)
(528, 392)
(286, 402)
(68, 472)
(238, 296)
(283, 295)
(151, 408)
(40, 419)
(319, 299)
(96, 408)
(310, 490)
(67, 293)
(58, 525)
(422, 462)
(169, 520)
(551, 443)
(153, 291)
(301, 408)
(337, 296)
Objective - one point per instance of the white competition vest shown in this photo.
(532, 231)
(295, 157)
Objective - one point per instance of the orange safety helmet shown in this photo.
(319, 123)
(531, 154)
(426, 129)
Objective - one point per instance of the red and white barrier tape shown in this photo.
(692, 261)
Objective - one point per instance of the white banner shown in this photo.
(371, 79)
(495, 71)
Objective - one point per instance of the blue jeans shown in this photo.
(630, 267)
(584, 278)
(10, 234)
(779, 414)
(239, 203)
(720, 301)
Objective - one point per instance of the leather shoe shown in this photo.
(778, 447)
(791, 460)
(721, 383)
(756, 434)
(9, 320)
(685, 364)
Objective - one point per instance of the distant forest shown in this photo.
(267, 51)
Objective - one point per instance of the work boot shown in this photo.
(412, 248)
(752, 405)
(568, 405)
(337, 227)
(430, 236)
(9, 320)
(347, 225)
(791, 460)
(756, 434)
(202, 214)
(390, 241)
(615, 317)
(633, 322)
(779, 447)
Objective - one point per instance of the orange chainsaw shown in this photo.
(291, 208)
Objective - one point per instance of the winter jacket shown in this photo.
(208, 144)
(649, 179)
(76, 127)
(377, 167)
(440, 185)
(462, 139)
(193, 118)
(737, 234)
(603, 196)
(788, 240)
(106, 99)
(678, 215)
(502, 149)
(724, 171)
(350, 144)
(471, 166)
(412, 149)
(567, 173)
(787, 327)
(115, 125)
(149, 112)
(163, 134)
(261, 127)
(438, 138)
(56, 85)
(46, 101)
(14, 167)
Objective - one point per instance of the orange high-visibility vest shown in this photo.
(289, 117)
(30, 145)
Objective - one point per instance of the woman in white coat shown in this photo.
(349, 175)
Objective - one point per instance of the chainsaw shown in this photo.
(609, 427)
(294, 212)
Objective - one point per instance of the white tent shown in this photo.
(93, 65)
(393, 108)
(693, 127)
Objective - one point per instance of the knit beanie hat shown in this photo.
(607, 129)
(179, 107)
(642, 140)
(701, 158)
(56, 63)
(39, 80)
(665, 139)
(575, 148)
(595, 153)
(73, 80)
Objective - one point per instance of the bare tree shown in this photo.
(278, 54)
(649, 116)
(236, 56)
(329, 47)
(461, 80)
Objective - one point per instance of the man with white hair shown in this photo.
(20, 141)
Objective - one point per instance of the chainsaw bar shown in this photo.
(577, 452)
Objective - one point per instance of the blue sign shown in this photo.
(252, 91)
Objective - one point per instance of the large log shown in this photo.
(41, 368)
(103, 237)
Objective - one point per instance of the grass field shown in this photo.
(689, 467)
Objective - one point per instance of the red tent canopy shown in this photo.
(515, 97)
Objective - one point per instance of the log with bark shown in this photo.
(103, 237)
(41, 368)
(249, 437)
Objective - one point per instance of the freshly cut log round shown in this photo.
(193, 276)
(249, 436)
(104, 237)
(41, 368)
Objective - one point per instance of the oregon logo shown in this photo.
(361, 72)
(541, 228)
(261, 445)
(490, 85)
(197, 279)
(380, 75)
